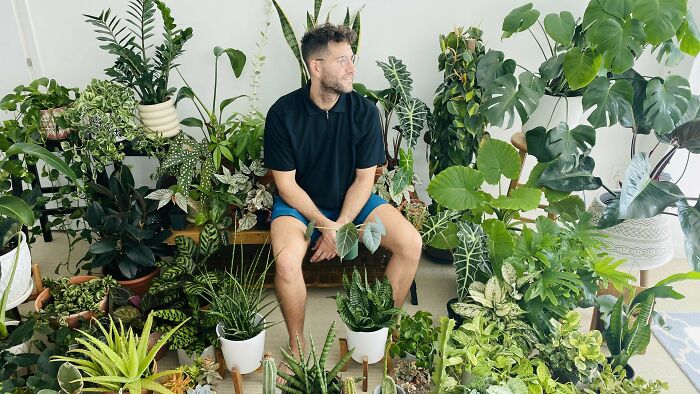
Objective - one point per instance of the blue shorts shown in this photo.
(280, 208)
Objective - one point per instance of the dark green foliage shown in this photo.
(67, 298)
(366, 308)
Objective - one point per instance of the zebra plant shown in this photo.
(366, 308)
(312, 22)
(194, 336)
(309, 375)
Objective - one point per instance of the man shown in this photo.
(323, 143)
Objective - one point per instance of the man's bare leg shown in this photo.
(405, 244)
(289, 247)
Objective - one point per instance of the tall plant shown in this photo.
(312, 22)
(147, 74)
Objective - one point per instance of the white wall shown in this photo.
(67, 50)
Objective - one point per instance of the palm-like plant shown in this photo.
(120, 362)
(366, 308)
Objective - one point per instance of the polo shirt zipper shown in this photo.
(327, 115)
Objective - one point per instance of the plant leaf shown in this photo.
(620, 44)
(560, 27)
(581, 67)
(666, 102)
(661, 18)
(457, 188)
(522, 198)
(611, 102)
(519, 19)
(642, 197)
(497, 158)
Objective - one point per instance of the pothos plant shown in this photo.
(412, 114)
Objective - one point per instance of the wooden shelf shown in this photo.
(247, 237)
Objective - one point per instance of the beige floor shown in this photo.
(436, 285)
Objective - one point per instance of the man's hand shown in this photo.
(325, 247)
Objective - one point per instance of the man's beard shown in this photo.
(333, 86)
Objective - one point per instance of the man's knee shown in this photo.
(288, 265)
(414, 243)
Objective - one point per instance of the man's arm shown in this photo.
(297, 198)
(357, 195)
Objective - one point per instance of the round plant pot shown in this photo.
(245, 355)
(160, 119)
(378, 390)
(22, 347)
(367, 344)
(48, 124)
(552, 110)
(185, 359)
(452, 315)
(21, 286)
(644, 243)
(73, 319)
(440, 256)
(629, 371)
(140, 286)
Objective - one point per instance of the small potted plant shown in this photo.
(146, 73)
(368, 312)
(414, 339)
(39, 109)
(238, 301)
(80, 297)
(127, 231)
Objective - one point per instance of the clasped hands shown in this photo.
(325, 247)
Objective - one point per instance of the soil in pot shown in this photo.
(452, 315)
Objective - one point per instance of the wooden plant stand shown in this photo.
(343, 343)
(237, 377)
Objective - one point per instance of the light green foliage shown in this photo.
(513, 386)
(388, 385)
(309, 374)
(416, 336)
(269, 375)
(366, 307)
(349, 386)
(613, 380)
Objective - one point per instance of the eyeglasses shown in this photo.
(343, 60)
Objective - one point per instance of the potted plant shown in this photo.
(147, 74)
(120, 362)
(80, 297)
(239, 304)
(127, 232)
(388, 385)
(415, 338)
(412, 378)
(368, 312)
(39, 109)
(310, 374)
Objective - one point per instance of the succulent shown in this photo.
(411, 377)
(203, 371)
(178, 383)
(349, 386)
(366, 308)
(388, 385)
(199, 389)
(269, 375)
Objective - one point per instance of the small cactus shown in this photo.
(388, 385)
(269, 375)
(349, 386)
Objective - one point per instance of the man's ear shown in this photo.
(314, 67)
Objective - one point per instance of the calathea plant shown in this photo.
(365, 308)
(147, 74)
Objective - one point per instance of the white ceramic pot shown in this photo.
(184, 359)
(21, 286)
(644, 243)
(245, 355)
(552, 110)
(370, 344)
(378, 390)
(160, 118)
(48, 124)
(22, 347)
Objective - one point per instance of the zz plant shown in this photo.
(366, 308)
(148, 74)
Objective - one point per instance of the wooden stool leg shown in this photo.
(343, 350)
(643, 278)
(237, 381)
(365, 374)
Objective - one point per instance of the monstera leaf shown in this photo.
(619, 43)
(520, 19)
(412, 115)
(581, 67)
(497, 158)
(611, 102)
(642, 197)
(690, 223)
(492, 66)
(561, 27)
(397, 75)
(457, 188)
(636, 119)
(689, 36)
(661, 18)
(579, 178)
(568, 147)
(666, 102)
(507, 96)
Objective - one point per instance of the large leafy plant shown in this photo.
(458, 124)
(148, 74)
(128, 229)
(121, 361)
(309, 374)
(312, 22)
(366, 308)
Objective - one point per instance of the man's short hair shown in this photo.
(317, 40)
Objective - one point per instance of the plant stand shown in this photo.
(343, 343)
(237, 377)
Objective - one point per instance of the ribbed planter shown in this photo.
(367, 344)
(644, 243)
(48, 124)
(160, 118)
(73, 319)
(552, 110)
(21, 286)
(245, 355)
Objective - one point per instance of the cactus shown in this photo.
(349, 386)
(388, 385)
(269, 375)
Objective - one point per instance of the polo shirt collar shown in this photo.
(313, 109)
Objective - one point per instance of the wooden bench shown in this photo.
(328, 273)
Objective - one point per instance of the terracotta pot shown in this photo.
(74, 319)
(140, 286)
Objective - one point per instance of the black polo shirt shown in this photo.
(324, 147)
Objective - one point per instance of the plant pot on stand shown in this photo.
(244, 355)
(21, 286)
(645, 243)
(555, 109)
(160, 119)
(367, 344)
